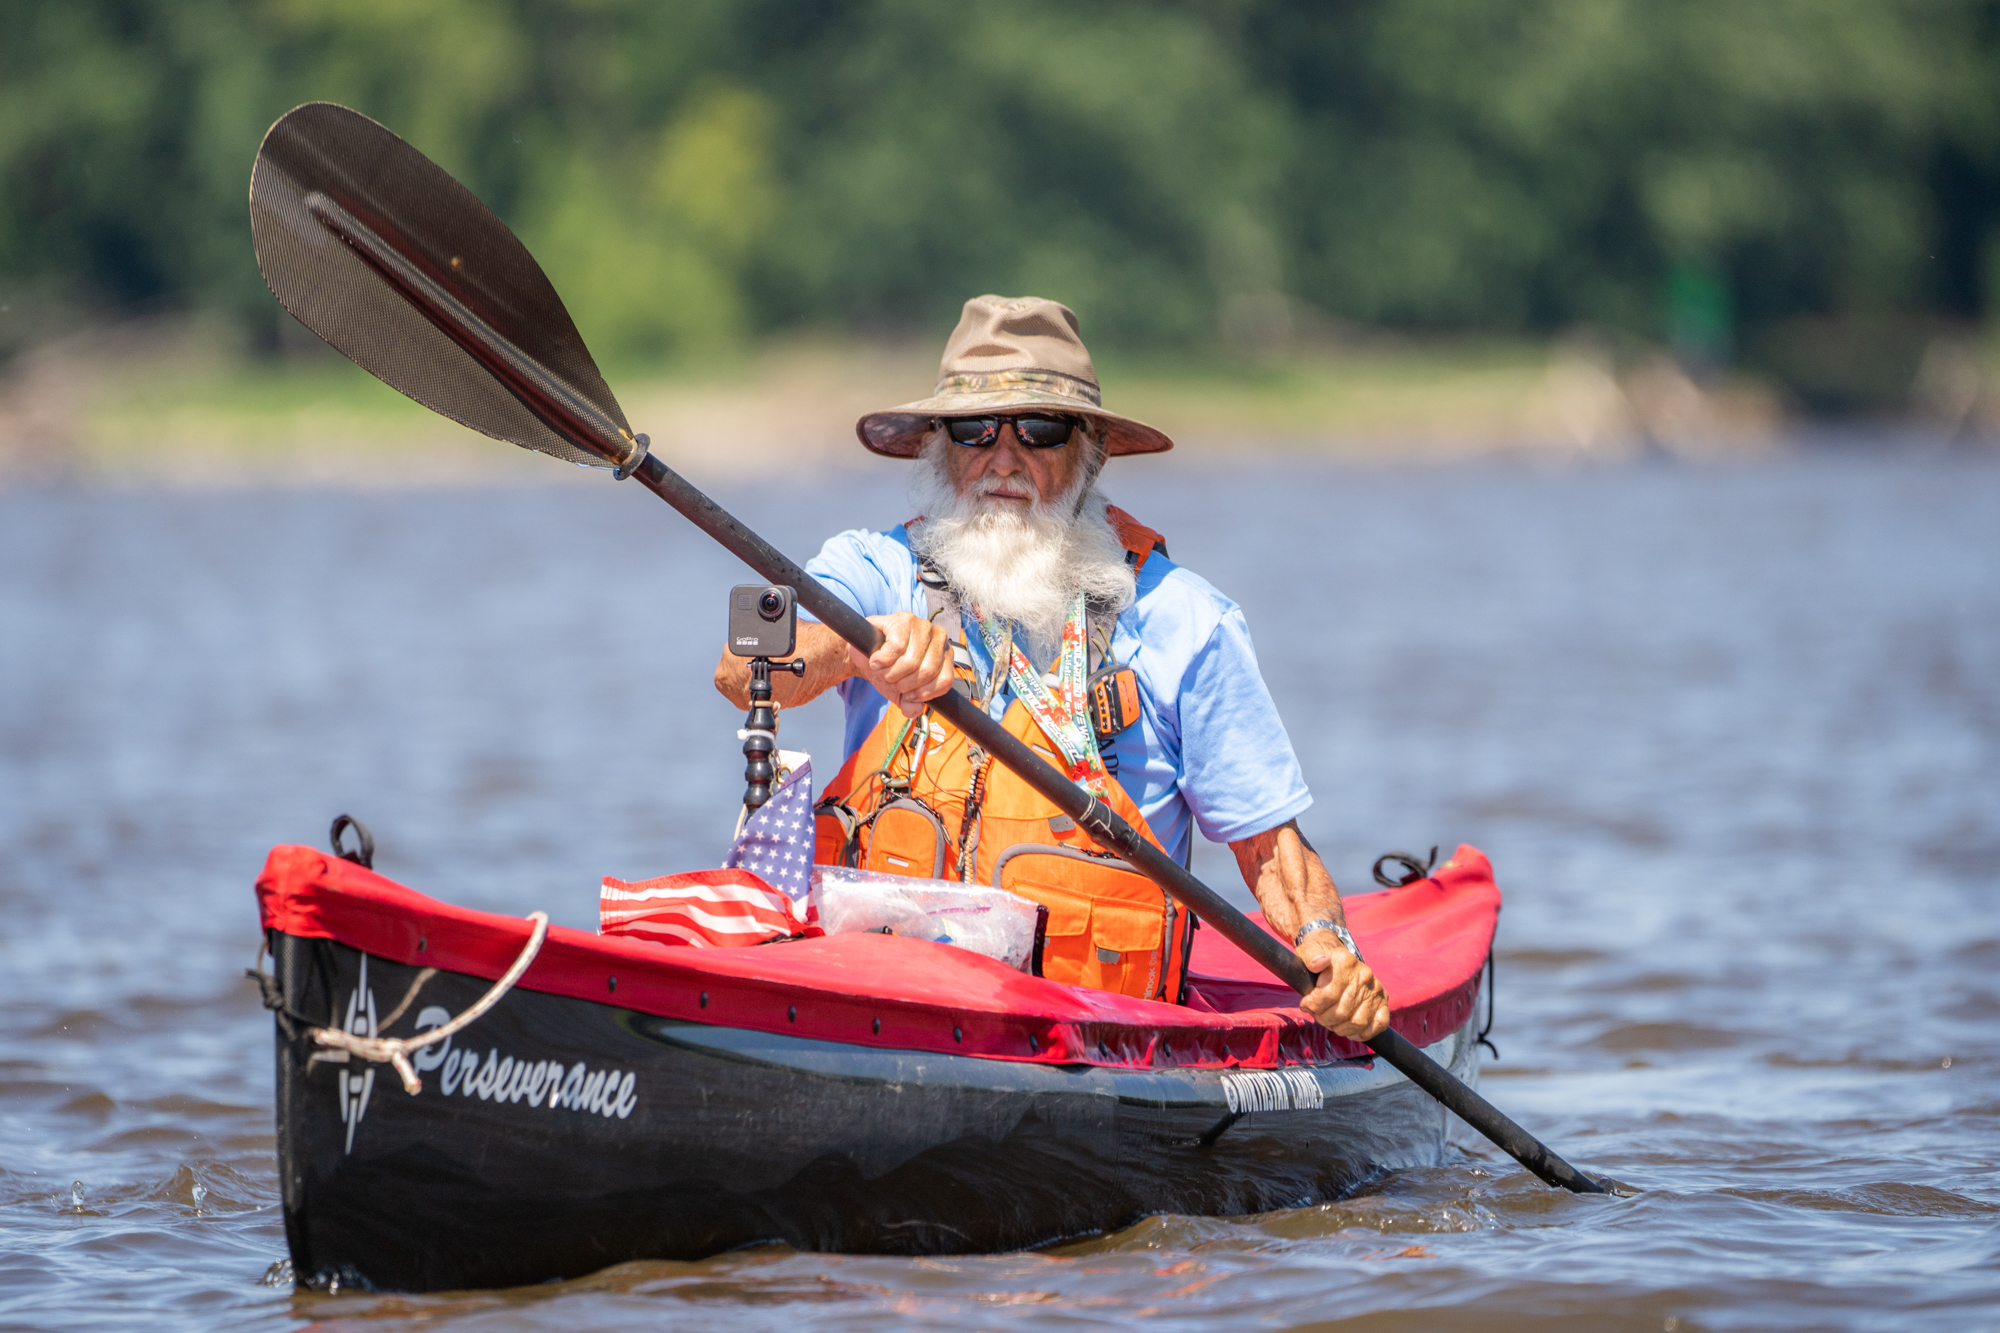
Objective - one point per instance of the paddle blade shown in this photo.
(377, 249)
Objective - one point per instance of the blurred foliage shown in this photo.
(1232, 172)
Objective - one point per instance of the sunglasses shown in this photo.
(1035, 432)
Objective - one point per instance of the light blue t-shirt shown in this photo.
(1208, 750)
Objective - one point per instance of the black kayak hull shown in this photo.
(591, 1134)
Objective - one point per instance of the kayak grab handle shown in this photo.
(396, 1050)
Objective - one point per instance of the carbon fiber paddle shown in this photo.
(379, 251)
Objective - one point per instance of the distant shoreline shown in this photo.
(168, 404)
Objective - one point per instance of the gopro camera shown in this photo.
(763, 620)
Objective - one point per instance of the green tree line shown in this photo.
(703, 173)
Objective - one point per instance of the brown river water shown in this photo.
(1731, 737)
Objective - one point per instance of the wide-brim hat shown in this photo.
(1009, 353)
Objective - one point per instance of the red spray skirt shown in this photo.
(1427, 941)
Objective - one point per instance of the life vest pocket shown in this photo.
(1107, 925)
(1068, 916)
(906, 838)
(835, 831)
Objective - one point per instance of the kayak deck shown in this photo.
(1426, 941)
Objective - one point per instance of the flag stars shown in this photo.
(766, 845)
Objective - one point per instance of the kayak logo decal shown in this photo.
(553, 1084)
(354, 1088)
(1267, 1090)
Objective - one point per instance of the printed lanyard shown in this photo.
(1064, 712)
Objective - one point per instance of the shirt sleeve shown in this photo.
(873, 572)
(870, 571)
(1239, 773)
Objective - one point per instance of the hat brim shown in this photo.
(899, 432)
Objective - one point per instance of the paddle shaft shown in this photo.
(576, 420)
(1107, 827)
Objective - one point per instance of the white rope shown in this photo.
(396, 1050)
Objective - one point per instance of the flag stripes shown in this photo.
(702, 908)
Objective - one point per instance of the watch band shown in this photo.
(1339, 933)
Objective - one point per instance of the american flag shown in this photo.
(761, 894)
(776, 843)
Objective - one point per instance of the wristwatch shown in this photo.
(1339, 933)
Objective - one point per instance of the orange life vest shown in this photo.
(917, 798)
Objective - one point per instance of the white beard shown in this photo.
(1015, 564)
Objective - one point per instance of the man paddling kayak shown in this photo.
(1022, 586)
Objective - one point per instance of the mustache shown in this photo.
(1060, 507)
(986, 486)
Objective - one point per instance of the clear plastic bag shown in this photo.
(993, 922)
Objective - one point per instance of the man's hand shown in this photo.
(1348, 998)
(1284, 873)
(913, 665)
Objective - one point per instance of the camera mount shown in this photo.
(760, 731)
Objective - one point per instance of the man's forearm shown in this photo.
(827, 664)
(1286, 876)
(1294, 889)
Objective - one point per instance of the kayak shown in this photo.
(865, 1093)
